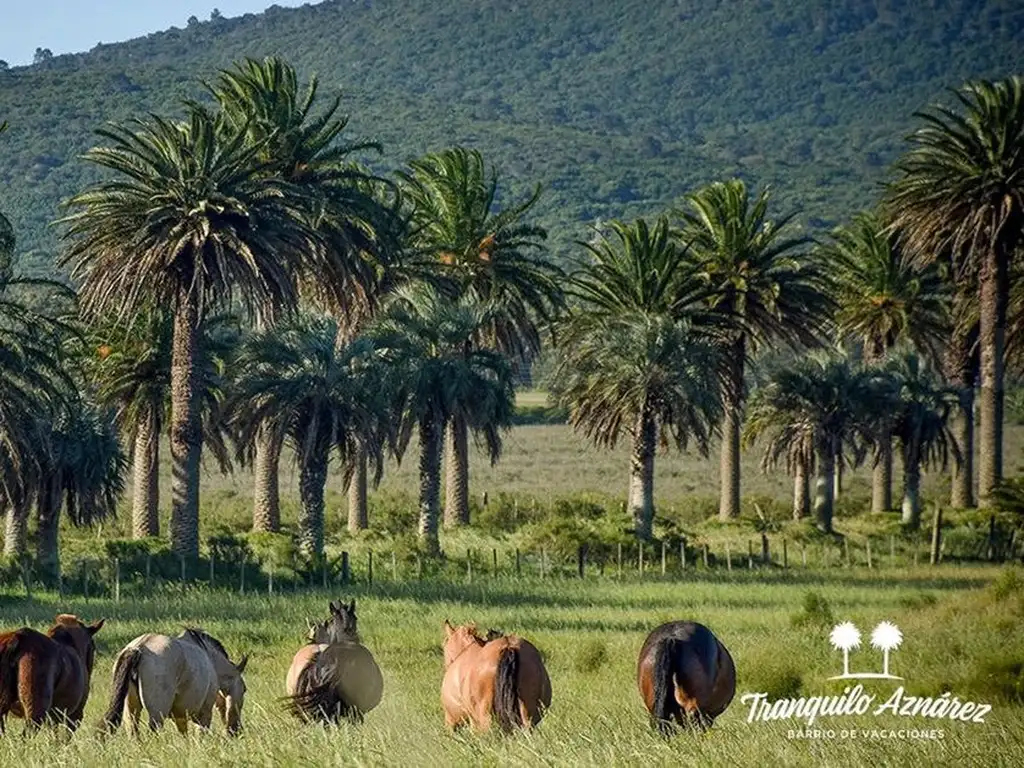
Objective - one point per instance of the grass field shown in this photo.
(959, 634)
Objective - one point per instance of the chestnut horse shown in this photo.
(334, 676)
(47, 676)
(501, 677)
(686, 676)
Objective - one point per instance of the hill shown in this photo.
(617, 108)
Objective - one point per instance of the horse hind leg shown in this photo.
(133, 708)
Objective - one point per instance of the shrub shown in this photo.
(816, 612)
(591, 656)
(1001, 679)
(1007, 584)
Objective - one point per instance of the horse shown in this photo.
(686, 676)
(502, 677)
(46, 677)
(333, 676)
(183, 677)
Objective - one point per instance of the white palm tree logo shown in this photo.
(886, 637)
(845, 637)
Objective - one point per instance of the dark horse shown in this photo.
(46, 677)
(333, 676)
(686, 676)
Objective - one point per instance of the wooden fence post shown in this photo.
(345, 575)
(991, 538)
(750, 555)
(682, 553)
(620, 560)
(892, 548)
(846, 550)
(543, 561)
(469, 566)
(640, 558)
(212, 567)
(728, 557)
(581, 557)
(803, 554)
(394, 566)
(494, 559)
(182, 559)
(785, 553)
(149, 560)
(766, 557)
(705, 554)
(241, 580)
(117, 580)
(324, 573)
(936, 536)
(664, 550)
(869, 553)
(369, 568)
(518, 569)
(85, 581)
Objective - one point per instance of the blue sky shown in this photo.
(72, 26)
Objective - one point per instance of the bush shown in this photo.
(778, 682)
(577, 521)
(816, 612)
(1007, 584)
(1000, 679)
(591, 656)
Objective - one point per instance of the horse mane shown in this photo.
(201, 638)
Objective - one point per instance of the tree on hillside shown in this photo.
(189, 221)
(884, 299)
(959, 190)
(295, 381)
(486, 252)
(923, 405)
(821, 399)
(301, 140)
(638, 353)
(426, 339)
(765, 285)
(130, 368)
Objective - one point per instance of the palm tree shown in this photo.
(884, 299)
(845, 637)
(83, 472)
(634, 356)
(426, 340)
(190, 221)
(130, 368)
(304, 146)
(921, 426)
(821, 400)
(762, 284)
(887, 638)
(296, 382)
(490, 255)
(960, 191)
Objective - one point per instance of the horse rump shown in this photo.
(506, 691)
(317, 698)
(9, 647)
(126, 671)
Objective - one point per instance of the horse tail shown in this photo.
(8, 670)
(126, 671)
(317, 697)
(665, 705)
(506, 691)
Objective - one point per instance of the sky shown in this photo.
(73, 26)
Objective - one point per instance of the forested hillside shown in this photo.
(616, 108)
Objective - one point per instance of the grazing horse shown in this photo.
(686, 676)
(47, 676)
(502, 677)
(333, 676)
(183, 677)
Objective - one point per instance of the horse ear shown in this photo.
(448, 628)
(352, 606)
(92, 630)
(335, 607)
(309, 624)
(240, 666)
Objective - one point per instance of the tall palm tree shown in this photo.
(921, 426)
(959, 190)
(303, 143)
(489, 253)
(426, 339)
(295, 381)
(635, 357)
(819, 400)
(884, 299)
(765, 284)
(83, 472)
(130, 369)
(189, 221)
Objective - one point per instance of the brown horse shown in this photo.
(46, 677)
(334, 676)
(686, 676)
(501, 678)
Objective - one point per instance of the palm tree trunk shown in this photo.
(801, 491)
(312, 481)
(358, 515)
(430, 483)
(641, 475)
(960, 375)
(993, 299)
(48, 532)
(456, 502)
(912, 493)
(16, 531)
(146, 479)
(824, 486)
(881, 478)
(185, 429)
(266, 496)
(729, 474)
